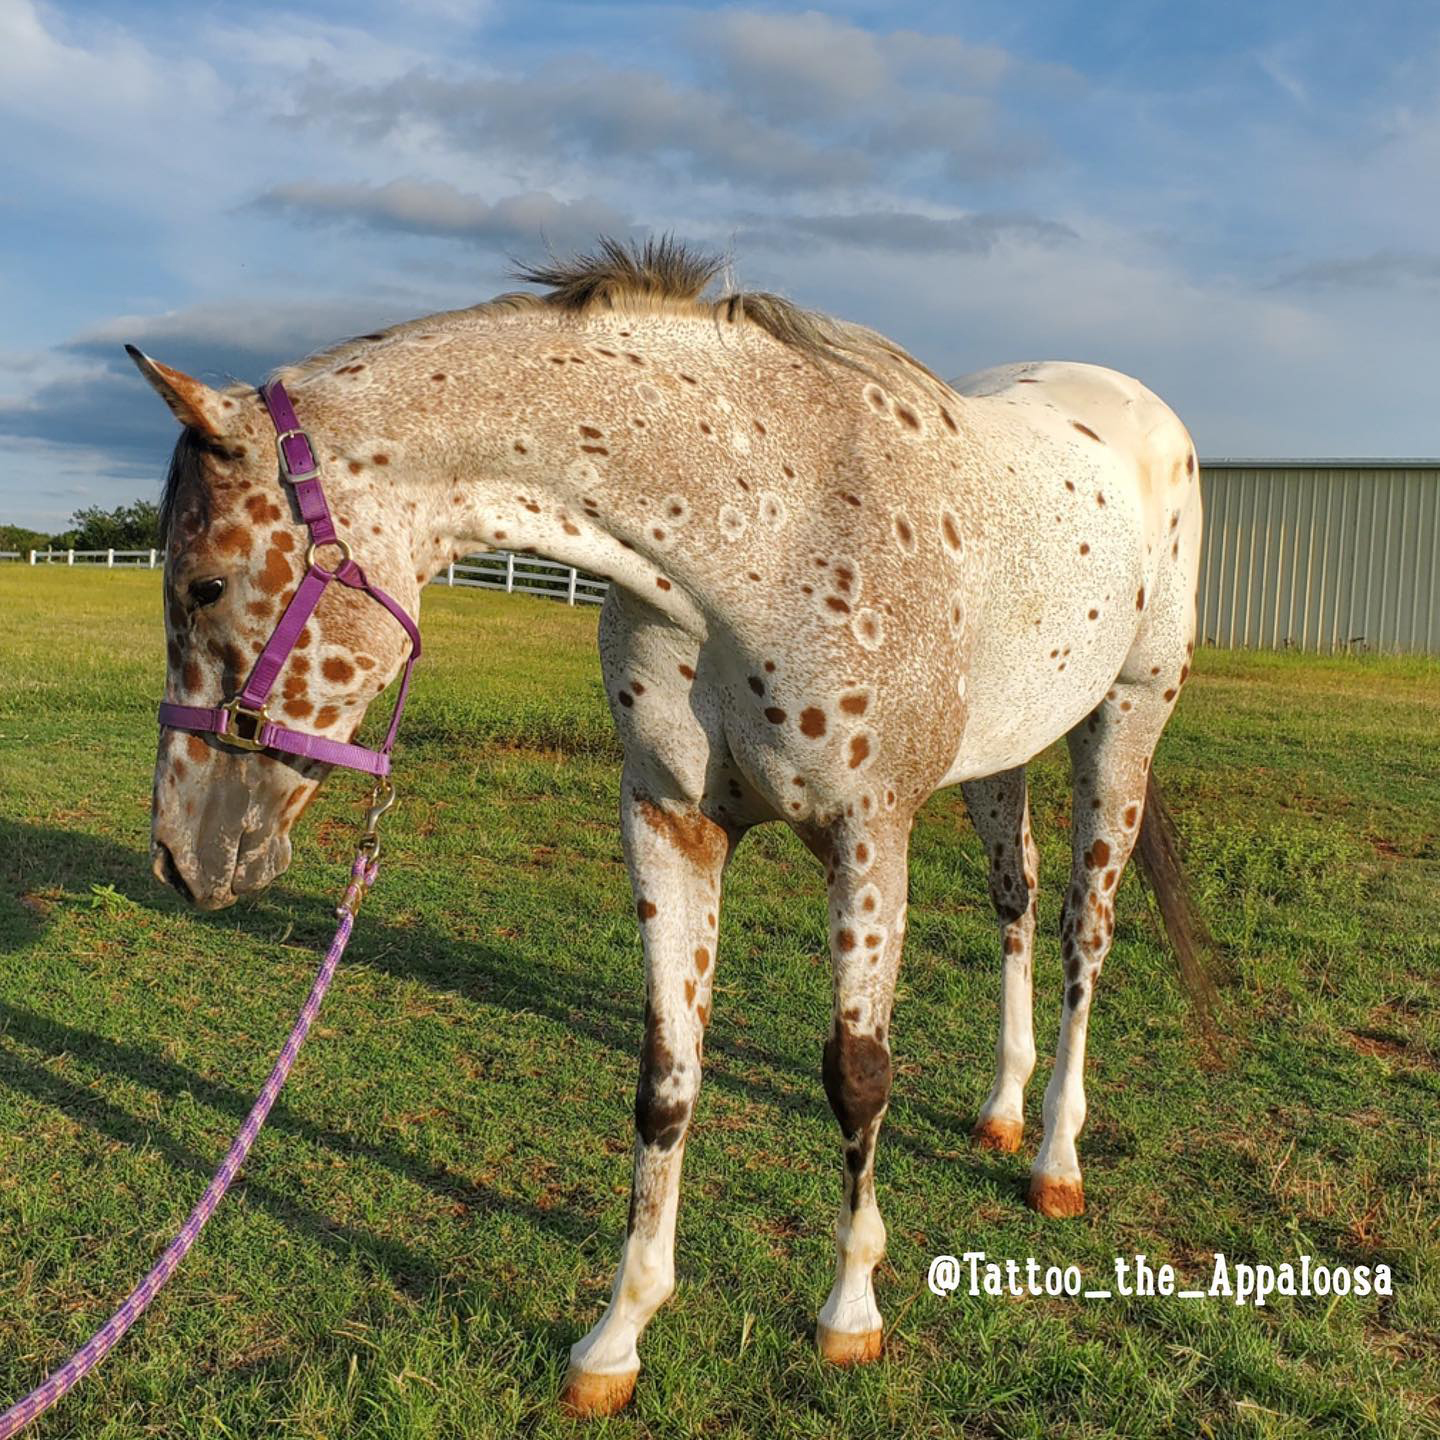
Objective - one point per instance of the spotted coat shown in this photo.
(838, 585)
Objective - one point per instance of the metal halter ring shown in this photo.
(345, 555)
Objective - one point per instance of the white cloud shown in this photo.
(975, 203)
(42, 484)
(78, 88)
(435, 208)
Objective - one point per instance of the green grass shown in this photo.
(433, 1213)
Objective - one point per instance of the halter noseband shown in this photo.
(243, 722)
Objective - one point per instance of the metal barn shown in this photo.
(1321, 555)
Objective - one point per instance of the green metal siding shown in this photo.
(1321, 556)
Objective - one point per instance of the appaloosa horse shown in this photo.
(837, 585)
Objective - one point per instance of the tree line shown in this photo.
(127, 527)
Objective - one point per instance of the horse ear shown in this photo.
(191, 401)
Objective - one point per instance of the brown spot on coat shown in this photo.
(277, 573)
(859, 749)
(262, 510)
(338, 670)
(1086, 430)
(692, 833)
(233, 540)
(856, 1073)
(658, 1122)
(812, 722)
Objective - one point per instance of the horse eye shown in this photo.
(206, 592)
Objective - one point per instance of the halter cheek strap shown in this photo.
(243, 722)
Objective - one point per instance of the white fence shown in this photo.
(493, 570)
(524, 575)
(110, 559)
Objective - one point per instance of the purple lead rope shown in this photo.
(300, 469)
(85, 1359)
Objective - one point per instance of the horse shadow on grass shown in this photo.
(36, 861)
(44, 869)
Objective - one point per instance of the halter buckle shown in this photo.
(293, 477)
(257, 719)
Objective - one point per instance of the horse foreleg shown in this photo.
(676, 857)
(867, 874)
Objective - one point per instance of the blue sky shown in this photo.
(1239, 203)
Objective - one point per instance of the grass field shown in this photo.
(434, 1211)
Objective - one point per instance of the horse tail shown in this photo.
(1157, 853)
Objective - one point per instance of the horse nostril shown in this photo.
(169, 872)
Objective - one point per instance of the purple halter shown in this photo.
(243, 722)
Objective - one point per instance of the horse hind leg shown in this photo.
(1110, 754)
(1000, 811)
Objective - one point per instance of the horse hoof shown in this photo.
(997, 1134)
(587, 1396)
(842, 1348)
(1055, 1197)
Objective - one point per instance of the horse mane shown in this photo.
(660, 274)
(661, 268)
(186, 489)
(668, 274)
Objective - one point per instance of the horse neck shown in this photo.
(642, 452)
